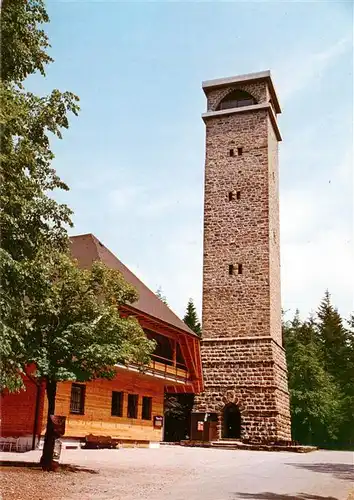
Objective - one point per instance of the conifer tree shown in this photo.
(161, 296)
(314, 394)
(191, 318)
(334, 338)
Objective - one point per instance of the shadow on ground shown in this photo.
(36, 466)
(280, 496)
(339, 471)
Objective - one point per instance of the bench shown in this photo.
(97, 442)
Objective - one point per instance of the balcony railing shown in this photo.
(168, 368)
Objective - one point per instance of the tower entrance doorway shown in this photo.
(232, 421)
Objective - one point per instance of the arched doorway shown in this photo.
(232, 421)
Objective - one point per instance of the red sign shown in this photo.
(200, 426)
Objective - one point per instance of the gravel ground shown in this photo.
(178, 473)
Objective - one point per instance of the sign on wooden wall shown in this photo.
(200, 425)
(158, 421)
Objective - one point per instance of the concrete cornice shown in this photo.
(244, 109)
(250, 77)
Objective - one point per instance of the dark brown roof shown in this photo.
(86, 248)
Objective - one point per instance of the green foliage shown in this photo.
(338, 351)
(32, 224)
(63, 319)
(23, 44)
(314, 404)
(319, 354)
(73, 335)
(191, 318)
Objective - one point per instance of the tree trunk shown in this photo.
(49, 438)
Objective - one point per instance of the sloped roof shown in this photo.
(86, 249)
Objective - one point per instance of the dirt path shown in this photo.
(175, 473)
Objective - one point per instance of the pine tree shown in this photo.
(347, 431)
(191, 318)
(334, 338)
(315, 397)
(161, 296)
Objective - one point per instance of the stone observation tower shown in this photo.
(245, 375)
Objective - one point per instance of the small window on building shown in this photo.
(117, 404)
(77, 400)
(239, 151)
(231, 196)
(147, 408)
(240, 269)
(238, 195)
(231, 269)
(132, 406)
(231, 152)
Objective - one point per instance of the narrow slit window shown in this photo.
(146, 408)
(117, 404)
(239, 151)
(240, 269)
(77, 399)
(231, 152)
(238, 195)
(132, 406)
(231, 269)
(231, 196)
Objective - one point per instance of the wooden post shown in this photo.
(174, 347)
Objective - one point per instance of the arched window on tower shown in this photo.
(237, 99)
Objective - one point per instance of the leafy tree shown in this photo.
(77, 333)
(161, 296)
(191, 318)
(32, 224)
(53, 315)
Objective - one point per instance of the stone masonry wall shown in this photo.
(247, 372)
(274, 235)
(242, 356)
(237, 231)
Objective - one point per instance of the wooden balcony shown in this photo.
(167, 368)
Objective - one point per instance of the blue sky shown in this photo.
(134, 157)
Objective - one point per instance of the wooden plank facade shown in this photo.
(97, 418)
(92, 408)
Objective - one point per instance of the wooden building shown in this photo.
(129, 407)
